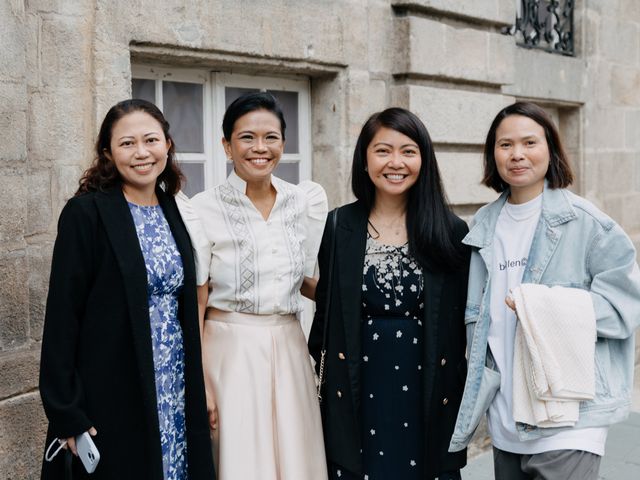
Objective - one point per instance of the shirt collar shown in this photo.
(240, 185)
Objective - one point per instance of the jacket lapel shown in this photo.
(118, 223)
(432, 294)
(351, 242)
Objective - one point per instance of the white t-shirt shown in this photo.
(512, 241)
(255, 265)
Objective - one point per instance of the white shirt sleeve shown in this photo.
(315, 217)
(199, 241)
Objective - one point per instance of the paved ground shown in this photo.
(622, 456)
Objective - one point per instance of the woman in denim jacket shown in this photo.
(539, 232)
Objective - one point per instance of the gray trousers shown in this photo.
(552, 465)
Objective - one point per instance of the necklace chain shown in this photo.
(394, 225)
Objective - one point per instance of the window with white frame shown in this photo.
(194, 102)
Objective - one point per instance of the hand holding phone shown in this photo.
(87, 451)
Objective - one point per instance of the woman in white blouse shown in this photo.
(256, 239)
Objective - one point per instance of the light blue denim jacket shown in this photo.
(574, 245)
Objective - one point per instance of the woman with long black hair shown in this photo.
(394, 364)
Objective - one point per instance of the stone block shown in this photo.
(12, 38)
(22, 435)
(500, 12)
(604, 128)
(381, 27)
(19, 372)
(461, 175)
(39, 214)
(13, 126)
(65, 181)
(13, 198)
(632, 130)
(452, 116)
(543, 75)
(59, 36)
(617, 32)
(625, 86)
(364, 97)
(58, 7)
(14, 307)
(631, 9)
(616, 171)
(68, 134)
(434, 48)
(590, 22)
(39, 261)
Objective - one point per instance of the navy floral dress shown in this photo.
(165, 278)
(391, 378)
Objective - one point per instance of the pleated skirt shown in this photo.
(269, 426)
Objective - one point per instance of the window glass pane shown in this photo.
(194, 177)
(289, 103)
(182, 105)
(231, 93)
(289, 172)
(143, 89)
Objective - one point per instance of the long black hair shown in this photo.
(429, 220)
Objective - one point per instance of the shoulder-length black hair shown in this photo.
(103, 174)
(248, 103)
(429, 219)
(559, 174)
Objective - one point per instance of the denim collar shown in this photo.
(556, 210)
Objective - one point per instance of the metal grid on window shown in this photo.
(545, 24)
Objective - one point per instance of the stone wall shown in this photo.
(65, 62)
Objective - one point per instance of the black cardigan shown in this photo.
(444, 368)
(97, 361)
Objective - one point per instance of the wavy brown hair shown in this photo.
(103, 174)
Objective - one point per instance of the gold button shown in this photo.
(341, 356)
(443, 362)
(445, 401)
(339, 393)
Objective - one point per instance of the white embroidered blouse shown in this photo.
(255, 265)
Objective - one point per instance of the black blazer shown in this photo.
(97, 362)
(444, 355)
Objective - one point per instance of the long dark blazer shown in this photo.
(97, 361)
(444, 365)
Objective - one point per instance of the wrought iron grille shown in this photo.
(544, 24)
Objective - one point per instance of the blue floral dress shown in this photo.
(165, 278)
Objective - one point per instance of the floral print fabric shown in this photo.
(392, 351)
(165, 278)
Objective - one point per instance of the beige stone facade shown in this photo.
(65, 62)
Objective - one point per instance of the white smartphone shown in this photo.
(88, 452)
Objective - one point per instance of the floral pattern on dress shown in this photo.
(391, 378)
(165, 278)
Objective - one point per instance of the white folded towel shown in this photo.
(554, 355)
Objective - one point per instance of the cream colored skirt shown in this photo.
(269, 426)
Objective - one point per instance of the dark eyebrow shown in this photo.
(151, 133)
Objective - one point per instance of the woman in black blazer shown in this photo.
(395, 341)
(121, 345)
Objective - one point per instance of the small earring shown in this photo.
(366, 169)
